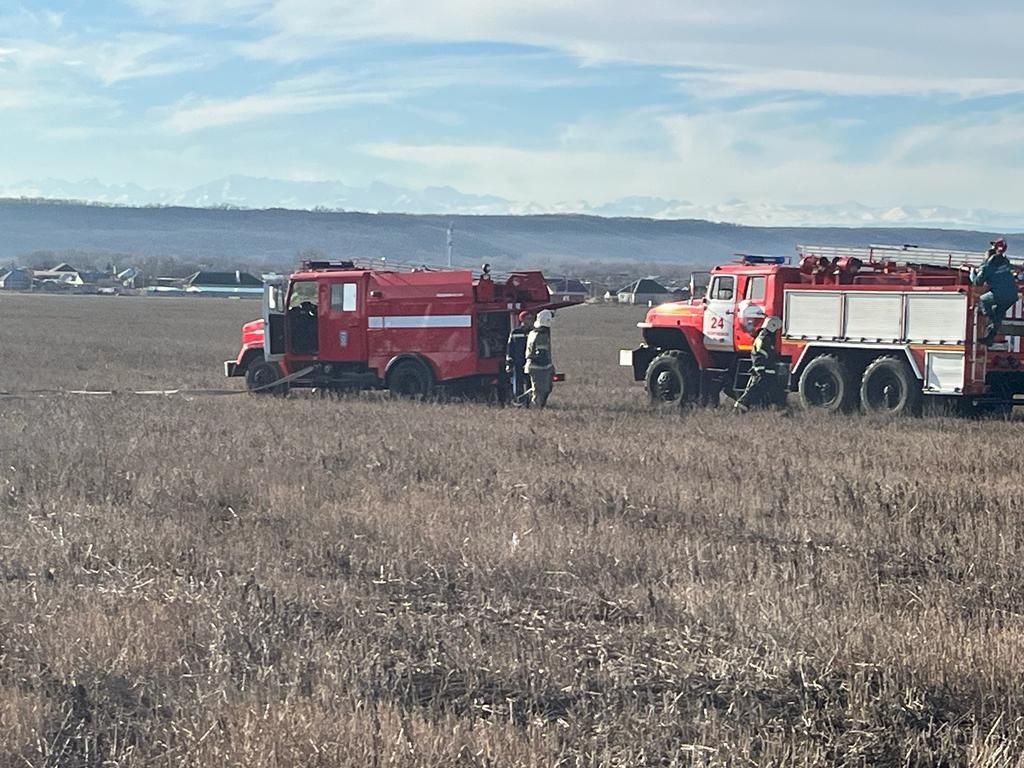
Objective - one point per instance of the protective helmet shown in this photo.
(544, 319)
(771, 324)
(524, 315)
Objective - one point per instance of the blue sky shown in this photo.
(735, 106)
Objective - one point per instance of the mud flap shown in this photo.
(639, 360)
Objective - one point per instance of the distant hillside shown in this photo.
(222, 237)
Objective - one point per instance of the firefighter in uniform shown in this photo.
(997, 274)
(515, 356)
(539, 365)
(763, 359)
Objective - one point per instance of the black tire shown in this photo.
(673, 379)
(260, 377)
(890, 388)
(411, 379)
(826, 384)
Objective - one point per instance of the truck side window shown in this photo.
(343, 297)
(755, 288)
(275, 298)
(724, 287)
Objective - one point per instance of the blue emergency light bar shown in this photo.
(754, 258)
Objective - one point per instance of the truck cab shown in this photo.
(706, 340)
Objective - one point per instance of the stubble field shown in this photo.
(237, 581)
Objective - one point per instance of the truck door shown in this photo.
(303, 318)
(719, 309)
(750, 312)
(274, 319)
(344, 337)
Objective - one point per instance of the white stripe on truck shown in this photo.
(421, 321)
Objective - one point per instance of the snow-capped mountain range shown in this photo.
(260, 193)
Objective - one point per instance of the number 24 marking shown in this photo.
(717, 322)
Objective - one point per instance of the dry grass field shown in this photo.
(235, 581)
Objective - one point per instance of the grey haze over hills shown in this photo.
(261, 193)
(229, 237)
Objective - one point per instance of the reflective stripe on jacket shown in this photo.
(762, 354)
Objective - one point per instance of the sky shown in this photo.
(735, 105)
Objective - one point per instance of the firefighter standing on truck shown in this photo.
(515, 356)
(763, 360)
(997, 274)
(539, 365)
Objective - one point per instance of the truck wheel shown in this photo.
(826, 384)
(890, 387)
(412, 379)
(260, 377)
(673, 378)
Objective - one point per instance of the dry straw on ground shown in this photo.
(360, 582)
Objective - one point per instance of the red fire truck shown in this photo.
(333, 325)
(881, 327)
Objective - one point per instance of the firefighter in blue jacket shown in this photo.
(515, 357)
(997, 274)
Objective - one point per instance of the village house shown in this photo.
(61, 277)
(567, 289)
(644, 291)
(17, 279)
(237, 283)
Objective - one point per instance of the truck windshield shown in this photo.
(303, 292)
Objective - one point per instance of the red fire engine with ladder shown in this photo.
(334, 325)
(880, 327)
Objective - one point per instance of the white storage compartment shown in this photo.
(874, 317)
(936, 318)
(813, 314)
(944, 372)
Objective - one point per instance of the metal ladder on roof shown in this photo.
(901, 254)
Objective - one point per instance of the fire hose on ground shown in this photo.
(33, 394)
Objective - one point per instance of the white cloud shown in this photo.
(764, 155)
(200, 11)
(865, 48)
(546, 176)
(135, 56)
(733, 82)
(319, 92)
(992, 140)
(125, 56)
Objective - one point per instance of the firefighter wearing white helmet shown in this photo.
(539, 365)
(763, 360)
